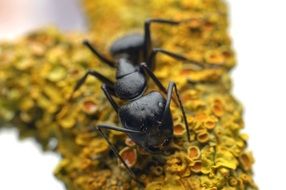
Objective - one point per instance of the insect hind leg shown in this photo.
(99, 55)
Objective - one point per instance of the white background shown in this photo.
(259, 36)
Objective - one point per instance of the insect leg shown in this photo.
(197, 65)
(108, 93)
(121, 129)
(149, 72)
(98, 54)
(95, 74)
(155, 51)
(172, 86)
(147, 32)
(115, 151)
(169, 93)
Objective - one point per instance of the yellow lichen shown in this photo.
(39, 71)
(129, 155)
(194, 152)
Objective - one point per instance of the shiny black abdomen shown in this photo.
(127, 43)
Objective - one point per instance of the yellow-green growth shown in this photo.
(38, 72)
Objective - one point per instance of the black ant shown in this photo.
(146, 118)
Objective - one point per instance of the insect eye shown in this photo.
(159, 122)
(166, 142)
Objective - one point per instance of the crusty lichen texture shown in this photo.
(39, 71)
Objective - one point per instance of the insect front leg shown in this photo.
(114, 149)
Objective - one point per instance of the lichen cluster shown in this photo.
(39, 71)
